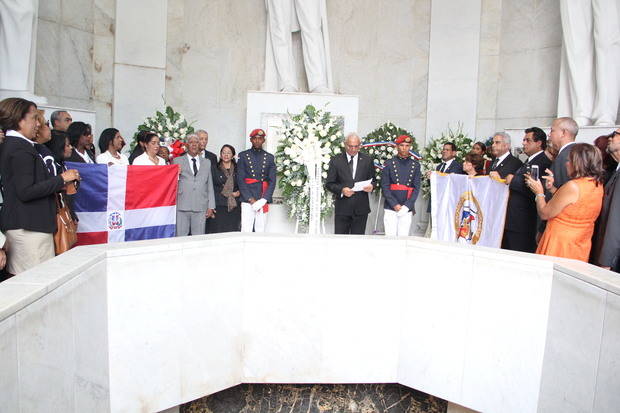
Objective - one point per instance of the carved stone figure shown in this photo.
(283, 18)
(590, 72)
(18, 32)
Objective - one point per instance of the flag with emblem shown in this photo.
(125, 203)
(468, 210)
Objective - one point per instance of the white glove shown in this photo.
(403, 211)
(259, 204)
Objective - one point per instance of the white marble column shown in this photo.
(139, 62)
(453, 66)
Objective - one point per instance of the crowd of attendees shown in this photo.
(553, 211)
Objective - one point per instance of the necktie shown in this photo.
(351, 165)
(494, 164)
(194, 166)
(442, 167)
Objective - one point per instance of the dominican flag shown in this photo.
(125, 203)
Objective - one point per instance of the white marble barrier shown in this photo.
(145, 326)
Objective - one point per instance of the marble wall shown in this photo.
(520, 46)
(75, 52)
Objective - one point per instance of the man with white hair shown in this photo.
(504, 163)
(345, 169)
(203, 138)
(195, 199)
(562, 136)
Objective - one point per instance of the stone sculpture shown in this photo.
(283, 18)
(590, 72)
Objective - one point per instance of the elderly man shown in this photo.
(521, 214)
(256, 171)
(195, 199)
(60, 119)
(606, 248)
(504, 163)
(203, 137)
(400, 183)
(562, 135)
(345, 169)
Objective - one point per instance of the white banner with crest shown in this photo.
(468, 210)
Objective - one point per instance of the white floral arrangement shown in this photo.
(431, 155)
(379, 145)
(313, 136)
(169, 125)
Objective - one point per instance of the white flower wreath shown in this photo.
(299, 139)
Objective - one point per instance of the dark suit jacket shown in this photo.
(210, 156)
(75, 157)
(508, 166)
(219, 180)
(339, 176)
(455, 168)
(606, 248)
(521, 212)
(29, 190)
(558, 167)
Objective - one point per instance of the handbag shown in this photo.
(65, 236)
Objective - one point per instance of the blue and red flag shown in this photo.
(125, 203)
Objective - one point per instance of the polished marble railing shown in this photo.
(149, 325)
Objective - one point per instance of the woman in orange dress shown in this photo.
(572, 211)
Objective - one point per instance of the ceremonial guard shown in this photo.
(257, 181)
(400, 182)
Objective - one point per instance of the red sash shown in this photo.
(264, 189)
(399, 187)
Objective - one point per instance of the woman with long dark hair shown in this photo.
(572, 211)
(227, 211)
(28, 217)
(81, 138)
(110, 144)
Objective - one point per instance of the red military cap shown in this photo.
(257, 132)
(403, 138)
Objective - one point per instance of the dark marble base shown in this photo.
(317, 398)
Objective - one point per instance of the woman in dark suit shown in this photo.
(81, 138)
(227, 211)
(28, 217)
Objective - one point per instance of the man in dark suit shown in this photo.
(195, 200)
(449, 164)
(203, 137)
(504, 163)
(521, 214)
(352, 207)
(562, 136)
(606, 248)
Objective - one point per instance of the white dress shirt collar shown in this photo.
(501, 158)
(529, 159)
(197, 157)
(562, 148)
(16, 134)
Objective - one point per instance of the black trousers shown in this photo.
(350, 224)
(519, 241)
(225, 221)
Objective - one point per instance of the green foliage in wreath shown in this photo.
(169, 125)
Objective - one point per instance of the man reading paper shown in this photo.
(345, 169)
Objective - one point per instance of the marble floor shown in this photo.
(317, 398)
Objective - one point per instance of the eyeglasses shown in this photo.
(614, 133)
(353, 146)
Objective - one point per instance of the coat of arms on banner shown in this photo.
(468, 219)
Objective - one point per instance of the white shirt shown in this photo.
(144, 160)
(84, 156)
(448, 163)
(354, 163)
(533, 156)
(16, 134)
(107, 158)
(197, 157)
(501, 158)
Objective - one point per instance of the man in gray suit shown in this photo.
(606, 249)
(195, 199)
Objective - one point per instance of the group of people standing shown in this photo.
(553, 213)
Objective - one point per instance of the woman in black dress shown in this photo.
(227, 208)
